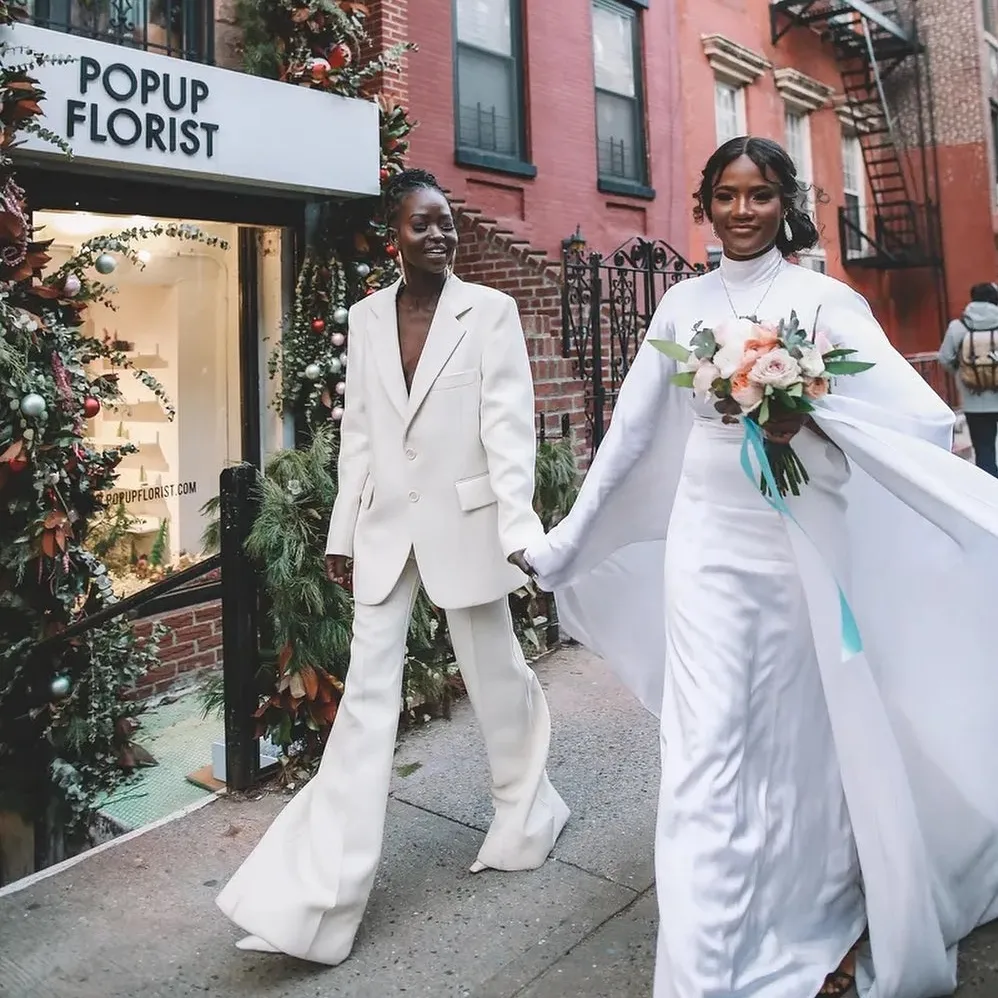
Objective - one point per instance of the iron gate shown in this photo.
(607, 305)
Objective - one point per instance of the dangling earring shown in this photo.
(400, 260)
(788, 231)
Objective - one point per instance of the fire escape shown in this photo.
(883, 67)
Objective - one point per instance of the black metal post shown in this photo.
(596, 336)
(240, 643)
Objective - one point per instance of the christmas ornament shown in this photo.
(318, 325)
(343, 358)
(340, 56)
(319, 69)
(91, 406)
(32, 405)
(385, 174)
(60, 687)
(362, 269)
(392, 250)
(18, 463)
(71, 286)
(340, 316)
(105, 263)
(313, 372)
(340, 387)
(338, 339)
(335, 366)
(337, 413)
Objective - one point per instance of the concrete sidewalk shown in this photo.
(139, 921)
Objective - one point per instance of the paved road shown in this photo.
(138, 921)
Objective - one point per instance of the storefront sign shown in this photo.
(123, 109)
(149, 493)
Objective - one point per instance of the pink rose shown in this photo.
(704, 377)
(748, 395)
(816, 389)
(776, 369)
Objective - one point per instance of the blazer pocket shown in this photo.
(456, 380)
(475, 493)
(367, 493)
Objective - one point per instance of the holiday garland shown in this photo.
(65, 730)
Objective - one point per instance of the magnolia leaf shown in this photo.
(311, 681)
(838, 367)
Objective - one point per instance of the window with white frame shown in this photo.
(854, 191)
(489, 92)
(729, 111)
(797, 129)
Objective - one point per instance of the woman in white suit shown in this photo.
(436, 481)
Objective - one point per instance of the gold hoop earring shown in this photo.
(401, 266)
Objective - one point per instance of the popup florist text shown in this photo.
(157, 110)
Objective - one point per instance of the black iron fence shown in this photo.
(607, 305)
(184, 29)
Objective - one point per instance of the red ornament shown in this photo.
(318, 325)
(385, 174)
(319, 68)
(91, 406)
(17, 464)
(340, 56)
(369, 291)
(392, 250)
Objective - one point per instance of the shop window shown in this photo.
(489, 84)
(620, 125)
(176, 315)
(183, 29)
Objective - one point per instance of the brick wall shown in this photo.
(192, 645)
(388, 25)
(493, 255)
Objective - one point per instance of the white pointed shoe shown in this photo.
(256, 944)
(477, 867)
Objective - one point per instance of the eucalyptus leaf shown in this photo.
(842, 367)
(672, 350)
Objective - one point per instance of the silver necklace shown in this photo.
(755, 312)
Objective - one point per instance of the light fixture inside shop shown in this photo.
(144, 256)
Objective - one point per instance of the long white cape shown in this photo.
(915, 718)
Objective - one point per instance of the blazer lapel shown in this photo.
(446, 331)
(383, 342)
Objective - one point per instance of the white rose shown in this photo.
(704, 377)
(729, 358)
(733, 332)
(776, 369)
(811, 363)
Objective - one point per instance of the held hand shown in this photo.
(338, 568)
(517, 558)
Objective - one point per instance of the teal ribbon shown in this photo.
(754, 443)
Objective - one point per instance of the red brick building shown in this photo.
(600, 113)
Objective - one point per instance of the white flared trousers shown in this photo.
(305, 886)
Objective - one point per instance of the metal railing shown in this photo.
(184, 29)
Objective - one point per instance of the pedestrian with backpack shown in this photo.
(970, 350)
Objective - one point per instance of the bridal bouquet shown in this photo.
(759, 372)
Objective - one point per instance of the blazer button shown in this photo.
(414, 497)
(410, 454)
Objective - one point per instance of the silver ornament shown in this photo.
(337, 413)
(313, 372)
(338, 339)
(341, 388)
(363, 270)
(71, 286)
(54, 478)
(343, 358)
(32, 405)
(105, 263)
(335, 366)
(340, 316)
(60, 687)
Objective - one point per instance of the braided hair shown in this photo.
(401, 185)
(774, 163)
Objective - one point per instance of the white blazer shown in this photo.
(447, 471)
